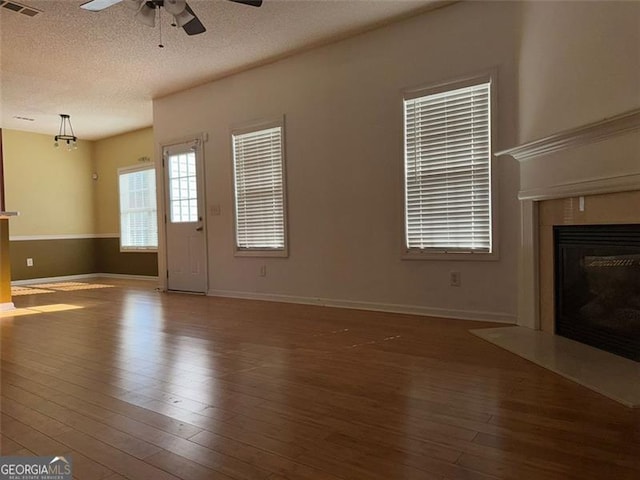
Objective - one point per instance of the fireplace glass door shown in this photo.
(597, 286)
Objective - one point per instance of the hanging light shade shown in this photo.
(65, 133)
(147, 15)
(133, 4)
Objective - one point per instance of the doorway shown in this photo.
(185, 219)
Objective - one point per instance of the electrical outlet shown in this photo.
(29, 262)
(454, 279)
(263, 271)
(214, 210)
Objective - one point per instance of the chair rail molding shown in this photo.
(593, 132)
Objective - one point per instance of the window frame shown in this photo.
(128, 170)
(407, 253)
(173, 151)
(278, 122)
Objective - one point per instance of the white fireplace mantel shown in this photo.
(597, 158)
(593, 132)
(594, 186)
(600, 157)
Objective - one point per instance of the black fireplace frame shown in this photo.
(626, 237)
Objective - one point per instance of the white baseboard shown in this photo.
(5, 307)
(86, 276)
(128, 277)
(475, 315)
(480, 316)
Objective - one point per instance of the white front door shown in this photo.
(185, 218)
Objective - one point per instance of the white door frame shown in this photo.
(200, 139)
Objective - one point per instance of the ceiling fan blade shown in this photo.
(253, 3)
(98, 5)
(195, 26)
(182, 18)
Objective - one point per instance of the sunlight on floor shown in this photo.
(59, 307)
(17, 291)
(19, 312)
(71, 286)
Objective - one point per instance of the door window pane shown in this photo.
(183, 188)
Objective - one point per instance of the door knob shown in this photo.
(199, 229)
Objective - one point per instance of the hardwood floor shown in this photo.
(132, 383)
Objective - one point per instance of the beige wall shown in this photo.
(51, 188)
(579, 63)
(343, 108)
(108, 155)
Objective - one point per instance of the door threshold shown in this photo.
(186, 291)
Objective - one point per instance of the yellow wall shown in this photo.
(51, 188)
(109, 155)
(5, 268)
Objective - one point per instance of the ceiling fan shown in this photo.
(183, 15)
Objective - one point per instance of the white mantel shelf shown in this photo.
(597, 186)
(593, 132)
(7, 215)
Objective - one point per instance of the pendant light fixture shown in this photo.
(65, 134)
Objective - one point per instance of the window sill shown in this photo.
(262, 253)
(452, 256)
(138, 250)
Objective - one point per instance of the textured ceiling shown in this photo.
(105, 68)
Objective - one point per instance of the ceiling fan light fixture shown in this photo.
(175, 7)
(181, 19)
(147, 15)
(180, 10)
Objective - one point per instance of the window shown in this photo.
(447, 169)
(258, 162)
(183, 188)
(138, 213)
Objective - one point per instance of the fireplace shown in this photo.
(597, 286)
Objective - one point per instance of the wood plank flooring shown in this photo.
(138, 384)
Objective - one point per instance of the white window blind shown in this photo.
(259, 190)
(448, 170)
(138, 217)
